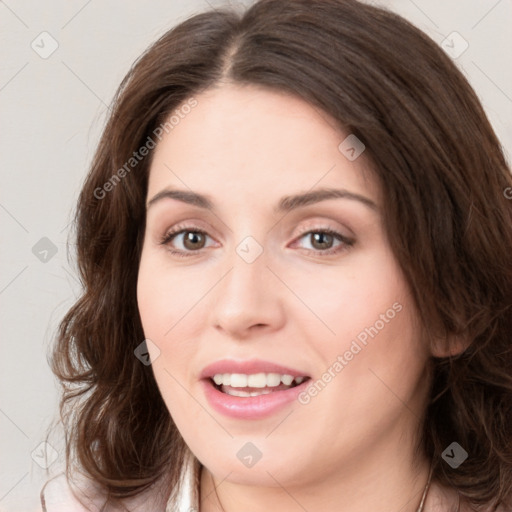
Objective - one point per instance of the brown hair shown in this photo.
(443, 177)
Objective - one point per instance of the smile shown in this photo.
(256, 384)
(251, 389)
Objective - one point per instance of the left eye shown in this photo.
(322, 240)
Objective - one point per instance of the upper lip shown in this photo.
(248, 367)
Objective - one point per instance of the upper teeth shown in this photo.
(255, 380)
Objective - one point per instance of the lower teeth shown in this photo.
(239, 392)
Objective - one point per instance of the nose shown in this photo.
(248, 298)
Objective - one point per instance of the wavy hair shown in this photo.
(444, 180)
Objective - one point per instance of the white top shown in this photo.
(57, 495)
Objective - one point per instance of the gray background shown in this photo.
(52, 112)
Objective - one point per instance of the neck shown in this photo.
(374, 485)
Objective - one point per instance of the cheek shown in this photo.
(375, 363)
(345, 301)
(164, 294)
(369, 331)
(163, 299)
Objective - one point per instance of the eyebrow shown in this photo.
(285, 204)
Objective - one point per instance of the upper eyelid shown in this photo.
(178, 228)
(307, 212)
(319, 223)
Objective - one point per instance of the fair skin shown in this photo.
(352, 447)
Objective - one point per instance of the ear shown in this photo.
(449, 346)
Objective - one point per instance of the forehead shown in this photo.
(248, 141)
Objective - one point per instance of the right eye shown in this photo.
(191, 240)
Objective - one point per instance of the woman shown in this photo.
(296, 253)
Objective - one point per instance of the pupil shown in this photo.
(318, 237)
(191, 239)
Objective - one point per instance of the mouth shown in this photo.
(251, 389)
(255, 384)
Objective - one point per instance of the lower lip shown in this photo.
(250, 407)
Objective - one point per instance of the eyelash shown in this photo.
(346, 242)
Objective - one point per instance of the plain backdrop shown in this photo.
(53, 107)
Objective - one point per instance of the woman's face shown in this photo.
(243, 286)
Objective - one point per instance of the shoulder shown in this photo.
(444, 499)
(83, 495)
(187, 499)
(57, 495)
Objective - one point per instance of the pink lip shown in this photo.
(253, 407)
(248, 367)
